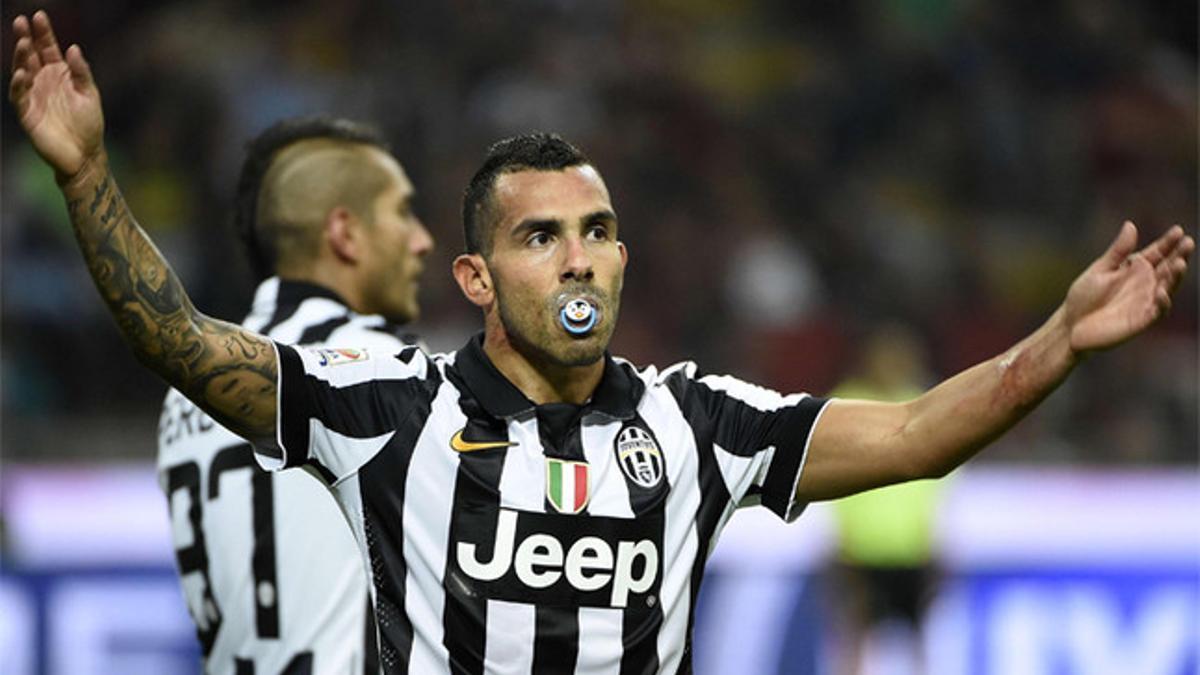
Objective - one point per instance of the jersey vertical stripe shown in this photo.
(678, 502)
(427, 511)
(709, 483)
(476, 499)
(508, 649)
(567, 485)
(382, 487)
(540, 539)
(601, 629)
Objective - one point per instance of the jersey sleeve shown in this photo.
(758, 437)
(337, 408)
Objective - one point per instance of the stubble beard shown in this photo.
(399, 307)
(396, 295)
(544, 340)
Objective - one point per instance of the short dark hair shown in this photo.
(537, 151)
(260, 152)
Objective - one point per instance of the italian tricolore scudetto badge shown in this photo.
(567, 484)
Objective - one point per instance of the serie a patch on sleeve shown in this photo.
(337, 357)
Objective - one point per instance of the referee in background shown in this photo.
(530, 503)
(270, 571)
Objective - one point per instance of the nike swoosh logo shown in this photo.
(459, 444)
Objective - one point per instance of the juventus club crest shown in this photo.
(639, 457)
(568, 484)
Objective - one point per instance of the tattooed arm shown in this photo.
(224, 369)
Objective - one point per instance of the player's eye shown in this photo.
(538, 239)
(597, 233)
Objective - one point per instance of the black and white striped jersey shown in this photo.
(505, 537)
(272, 575)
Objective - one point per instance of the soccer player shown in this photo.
(271, 573)
(530, 503)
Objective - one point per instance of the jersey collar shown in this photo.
(292, 292)
(616, 396)
(278, 297)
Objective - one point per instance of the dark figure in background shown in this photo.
(886, 572)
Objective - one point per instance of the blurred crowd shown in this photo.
(791, 178)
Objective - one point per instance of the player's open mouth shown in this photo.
(578, 315)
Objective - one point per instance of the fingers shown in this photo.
(1162, 300)
(36, 47)
(21, 77)
(1181, 249)
(1185, 247)
(1158, 249)
(25, 57)
(43, 38)
(81, 72)
(1121, 247)
(1171, 268)
(18, 86)
(20, 27)
(1178, 263)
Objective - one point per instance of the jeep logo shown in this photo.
(541, 561)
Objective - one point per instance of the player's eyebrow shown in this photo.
(522, 229)
(536, 225)
(605, 216)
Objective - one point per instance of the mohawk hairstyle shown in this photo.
(260, 152)
(537, 151)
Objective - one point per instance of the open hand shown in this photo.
(1124, 291)
(56, 98)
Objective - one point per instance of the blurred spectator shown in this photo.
(885, 573)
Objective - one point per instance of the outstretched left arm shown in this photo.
(860, 445)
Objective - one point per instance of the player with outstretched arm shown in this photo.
(530, 503)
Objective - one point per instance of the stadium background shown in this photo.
(791, 177)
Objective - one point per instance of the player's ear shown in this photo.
(343, 233)
(474, 279)
(624, 253)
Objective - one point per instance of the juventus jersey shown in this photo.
(270, 571)
(505, 537)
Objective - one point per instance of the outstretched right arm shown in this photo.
(226, 370)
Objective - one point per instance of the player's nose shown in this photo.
(577, 263)
(421, 243)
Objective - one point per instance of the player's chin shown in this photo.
(412, 305)
(583, 350)
(580, 354)
(404, 312)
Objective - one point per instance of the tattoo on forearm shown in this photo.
(227, 370)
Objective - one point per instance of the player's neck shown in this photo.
(321, 273)
(542, 382)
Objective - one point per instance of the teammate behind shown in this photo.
(529, 503)
(269, 567)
